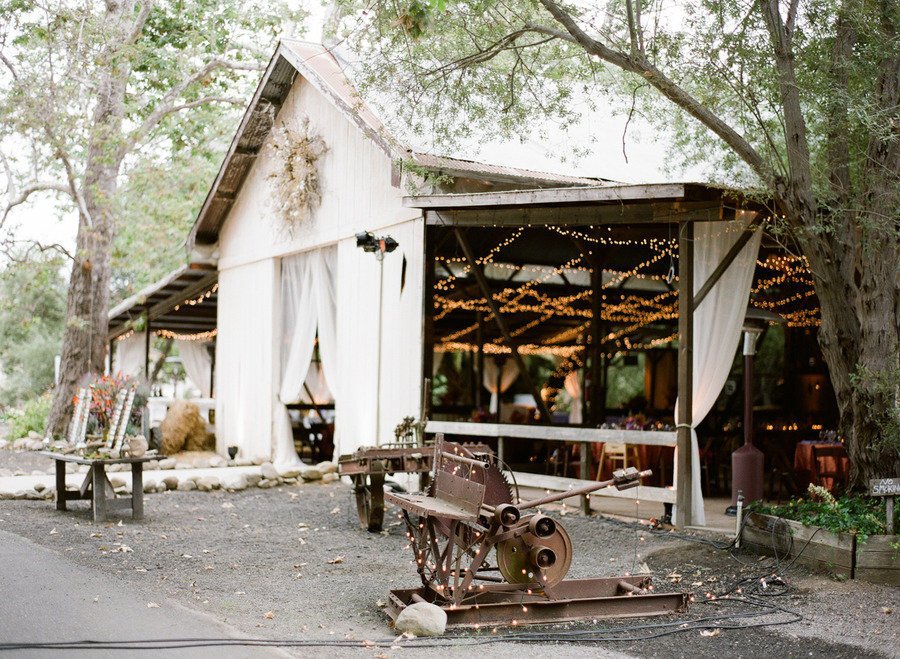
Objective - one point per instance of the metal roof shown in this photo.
(318, 65)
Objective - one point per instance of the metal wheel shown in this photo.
(369, 501)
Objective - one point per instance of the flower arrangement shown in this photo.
(295, 181)
(102, 391)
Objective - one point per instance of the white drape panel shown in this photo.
(318, 385)
(245, 381)
(308, 302)
(507, 376)
(129, 355)
(717, 326)
(197, 363)
(572, 384)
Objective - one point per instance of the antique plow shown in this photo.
(489, 564)
(368, 467)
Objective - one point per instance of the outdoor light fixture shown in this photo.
(747, 462)
(380, 245)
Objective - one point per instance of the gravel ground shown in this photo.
(266, 562)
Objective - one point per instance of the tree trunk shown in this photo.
(87, 306)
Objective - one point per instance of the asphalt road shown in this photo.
(44, 597)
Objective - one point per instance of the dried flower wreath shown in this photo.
(295, 181)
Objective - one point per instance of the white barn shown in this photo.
(337, 291)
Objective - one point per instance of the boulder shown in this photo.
(117, 482)
(289, 481)
(39, 487)
(268, 471)
(149, 486)
(253, 479)
(20, 444)
(167, 463)
(35, 445)
(33, 495)
(289, 472)
(311, 474)
(32, 434)
(217, 461)
(20, 494)
(327, 467)
(187, 485)
(243, 462)
(331, 477)
(171, 482)
(257, 462)
(235, 482)
(201, 462)
(208, 483)
(153, 465)
(422, 619)
(5, 494)
(265, 483)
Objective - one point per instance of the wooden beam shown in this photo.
(501, 325)
(197, 288)
(554, 196)
(684, 493)
(613, 214)
(729, 258)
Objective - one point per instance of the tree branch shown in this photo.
(669, 88)
(169, 102)
(137, 27)
(19, 197)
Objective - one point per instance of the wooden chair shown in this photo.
(827, 463)
(620, 456)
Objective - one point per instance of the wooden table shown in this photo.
(805, 463)
(96, 482)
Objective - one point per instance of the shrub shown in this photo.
(849, 513)
(32, 416)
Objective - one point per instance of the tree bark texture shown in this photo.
(87, 306)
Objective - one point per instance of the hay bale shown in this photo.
(184, 429)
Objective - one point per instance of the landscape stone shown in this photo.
(19, 494)
(20, 443)
(153, 465)
(33, 495)
(268, 471)
(40, 487)
(5, 472)
(236, 482)
(265, 483)
(184, 465)
(257, 462)
(201, 462)
(187, 485)
(149, 486)
(208, 483)
(35, 445)
(5, 494)
(289, 481)
(32, 434)
(289, 472)
(252, 479)
(422, 619)
(117, 482)
(327, 467)
(243, 462)
(331, 477)
(311, 474)
(171, 482)
(217, 461)
(167, 463)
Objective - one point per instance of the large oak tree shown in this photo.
(797, 98)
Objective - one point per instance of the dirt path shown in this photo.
(292, 562)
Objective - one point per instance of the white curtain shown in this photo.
(507, 376)
(308, 302)
(245, 361)
(197, 363)
(129, 355)
(717, 326)
(318, 386)
(572, 385)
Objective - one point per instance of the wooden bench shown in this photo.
(94, 487)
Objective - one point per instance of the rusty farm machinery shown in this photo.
(487, 560)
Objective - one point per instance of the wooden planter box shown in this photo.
(875, 560)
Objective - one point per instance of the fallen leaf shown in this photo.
(710, 632)
(268, 615)
(96, 599)
(887, 610)
(120, 523)
(140, 569)
(674, 577)
(123, 549)
(380, 604)
(228, 504)
(186, 556)
(96, 535)
(336, 560)
(239, 592)
(152, 605)
(53, 531)
(335, 510)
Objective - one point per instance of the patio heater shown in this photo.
(748, 462)
(379, 246)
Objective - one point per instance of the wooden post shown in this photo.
(585, 475)
(147, 347)
(98, 486)
(684, 493)
(501, 325)
(428, 304)
(597, 403)
(137, 490)
(60, 485)
(479, 339)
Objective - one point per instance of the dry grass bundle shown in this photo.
(184, 429)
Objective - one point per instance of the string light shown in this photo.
(199, 336)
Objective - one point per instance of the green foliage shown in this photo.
(32, 309)
(32, 416)
(849, 513)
